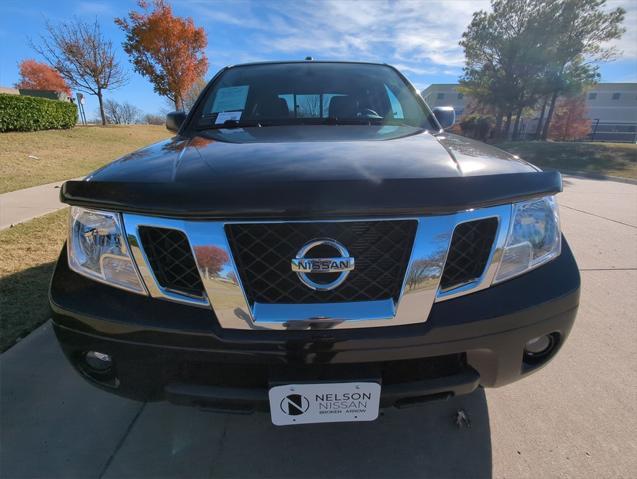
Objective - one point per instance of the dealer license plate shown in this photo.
(324, 402)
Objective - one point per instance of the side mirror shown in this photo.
(174, 119)
(445, 115)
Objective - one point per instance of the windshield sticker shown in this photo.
(228, 116)
(230, 98)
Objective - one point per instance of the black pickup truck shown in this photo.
(312, 242)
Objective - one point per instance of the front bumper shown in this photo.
(165, 350)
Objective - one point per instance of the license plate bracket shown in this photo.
(310, 403)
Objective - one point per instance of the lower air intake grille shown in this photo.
(170, 257)
(263, 253)
(469, 252)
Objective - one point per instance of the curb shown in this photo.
(599, 176)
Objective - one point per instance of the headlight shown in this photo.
(534, 237)
(97, 249)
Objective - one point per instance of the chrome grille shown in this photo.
(222, 286)
(469, 252)
(263, 253)
(171, 260)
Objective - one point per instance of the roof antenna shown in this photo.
(309, 59)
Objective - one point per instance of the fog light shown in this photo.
(539, 345)
(539, 350)
(97, 361)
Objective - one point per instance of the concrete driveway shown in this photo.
(575, 418)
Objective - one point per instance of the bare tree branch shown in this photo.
(84, 58)
(121, 113)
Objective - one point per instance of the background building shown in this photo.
(7, 90)
(445, 94)
(611, 107)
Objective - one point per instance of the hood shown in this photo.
(309, 172)
(329, 153)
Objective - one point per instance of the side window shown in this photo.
(460, 96)
(440, 96)
(327, 98)
(616, 96)
(592, 96)
(396, 107)
(289, 99)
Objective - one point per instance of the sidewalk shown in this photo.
(24, 205)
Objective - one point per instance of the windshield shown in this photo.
(311, 93)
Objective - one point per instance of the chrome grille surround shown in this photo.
(225, 295)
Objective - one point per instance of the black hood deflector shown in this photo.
(309, 199)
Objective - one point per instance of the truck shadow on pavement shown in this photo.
(54, 424)
(418, 442)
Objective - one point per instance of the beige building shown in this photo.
(446, 94)
(612, 108)
(7, 90)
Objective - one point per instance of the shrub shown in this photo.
(476, 126)
(27, 113)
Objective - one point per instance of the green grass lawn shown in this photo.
(29, 251)
(612, 159)
(40, 157)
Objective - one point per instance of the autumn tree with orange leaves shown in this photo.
(166, 49)
(570, 121)
(40, 76)
(212, 258)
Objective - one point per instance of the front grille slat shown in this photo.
(168, 252)
(469, 252)
(263, 252)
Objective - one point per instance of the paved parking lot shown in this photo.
(575, 418)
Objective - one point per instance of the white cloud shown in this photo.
(420, 36)
(627, 45)
(417, 70)
(414, 34)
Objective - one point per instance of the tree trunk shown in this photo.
(538, 128)
(101, 102)
(549, 116)
(516, 126)
(507, 125)
(498, 125)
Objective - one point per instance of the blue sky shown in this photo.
(419, 37)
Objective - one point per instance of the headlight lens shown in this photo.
(97, 249)
(534, 237)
